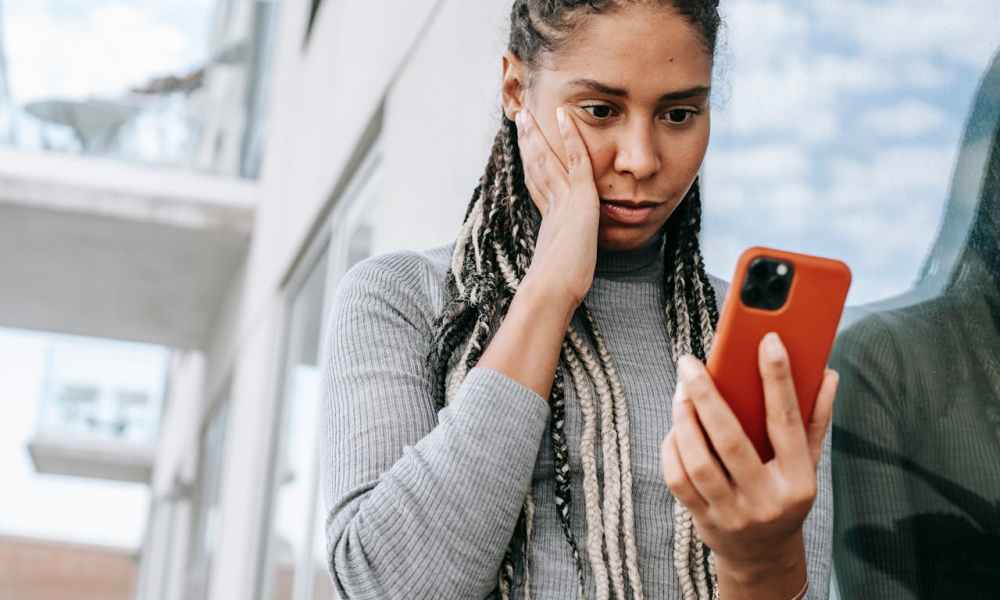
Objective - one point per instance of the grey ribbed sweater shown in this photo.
(423, 505)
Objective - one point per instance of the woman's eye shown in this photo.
(679, 116)
(599, 111)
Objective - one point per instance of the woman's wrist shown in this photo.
(780, 576)
(527, 345)
(540, 296)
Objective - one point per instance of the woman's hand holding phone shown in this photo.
(566, 250)
(748, 512)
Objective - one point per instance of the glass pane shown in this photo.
(322, 583)
(102, 389)
(290, 534)
(835, 130)
(207, 518)
(47, 404)
(186, 89)
(916, 433)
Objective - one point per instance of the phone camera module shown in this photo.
(767, 284)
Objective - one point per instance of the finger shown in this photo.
(539, 160)
(577, 156)
(819, 424)
(676, 477)
(541, 199)
(728, 439)
(784, 420)
(701, 466)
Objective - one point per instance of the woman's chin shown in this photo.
(617, 238)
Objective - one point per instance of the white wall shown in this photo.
(441, 117)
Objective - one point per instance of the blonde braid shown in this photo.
(591, 491)
(611, 510)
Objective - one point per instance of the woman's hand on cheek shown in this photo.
(566, 250)
(749, 513)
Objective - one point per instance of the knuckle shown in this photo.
(674, 480)
(784, 416)
(777, 369)
(803, 495)
(701, 470)
(730, 445)
(734, 522)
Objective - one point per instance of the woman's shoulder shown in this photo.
(720, 286)
(406, 282)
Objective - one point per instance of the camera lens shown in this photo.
(760, 269)
(752, 295)
(776, 285)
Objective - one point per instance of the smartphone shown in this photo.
(797, 296)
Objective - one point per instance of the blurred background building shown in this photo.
(183, 183)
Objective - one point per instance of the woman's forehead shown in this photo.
(645, 51)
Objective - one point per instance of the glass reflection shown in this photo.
(186, 89)
(917, 424)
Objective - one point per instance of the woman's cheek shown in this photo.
(602, 158)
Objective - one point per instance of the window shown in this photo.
(207, 516)
(836, 126)
(295, 466)
(917, 422)
(186, 91)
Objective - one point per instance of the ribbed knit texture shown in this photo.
(424, 506)
(917, 445)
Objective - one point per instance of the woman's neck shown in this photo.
(643, 263)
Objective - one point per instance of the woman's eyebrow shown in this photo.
(597, 86)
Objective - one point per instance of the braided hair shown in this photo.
(491, 257)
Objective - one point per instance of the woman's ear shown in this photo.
(513, 85)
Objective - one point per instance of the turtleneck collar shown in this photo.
(643, 263)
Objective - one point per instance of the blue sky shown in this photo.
(836, 126)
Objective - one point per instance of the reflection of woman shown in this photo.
(917, 431)
(546, 333)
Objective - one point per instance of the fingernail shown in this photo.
(561, 116)
(773, 348)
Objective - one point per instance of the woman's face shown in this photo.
(637, 82)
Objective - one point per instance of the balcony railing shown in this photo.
(181, 88)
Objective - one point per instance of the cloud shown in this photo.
(760, 162)
(961, 30)
(907, 119)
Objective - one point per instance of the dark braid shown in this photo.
(492, 255)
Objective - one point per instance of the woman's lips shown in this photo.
(626, 214)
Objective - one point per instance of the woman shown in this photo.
(548, 333)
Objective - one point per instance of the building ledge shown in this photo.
(100, 248)
(82, 456)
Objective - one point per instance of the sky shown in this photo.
(835, 129)
(836, 126)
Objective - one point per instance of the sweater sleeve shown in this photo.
(874, 559)
(818, 529)
(419, 504)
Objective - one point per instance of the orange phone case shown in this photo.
(807, 324)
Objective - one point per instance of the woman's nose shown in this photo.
(637, 153)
